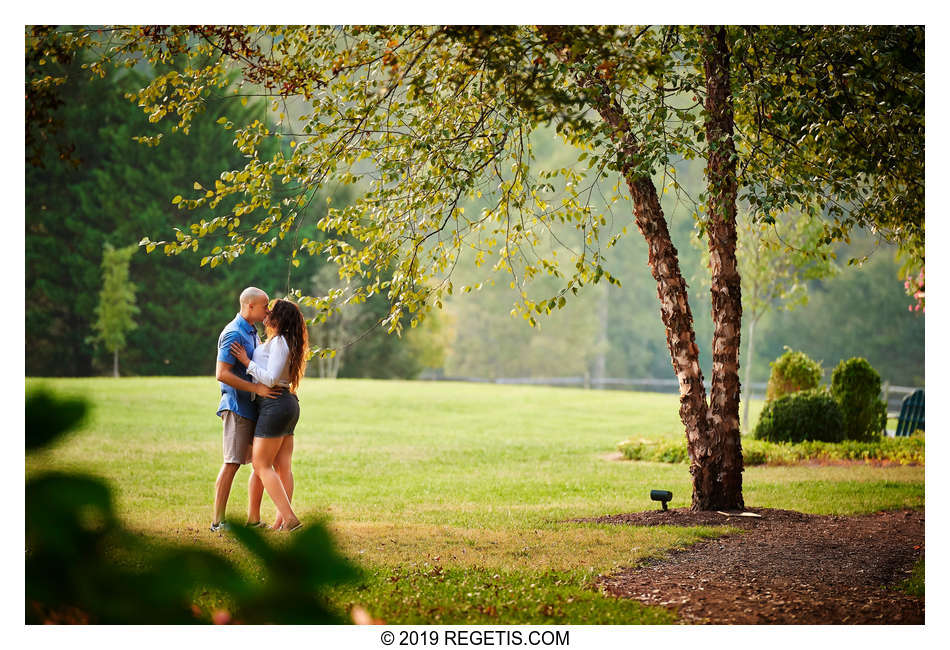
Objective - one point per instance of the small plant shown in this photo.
(673, 454)
(856, 386)
(806, 415)
(914, 585)
(903, 451)
(754, 454)
(660, 451)
(792, 372)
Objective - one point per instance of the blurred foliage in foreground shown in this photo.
(84, 566)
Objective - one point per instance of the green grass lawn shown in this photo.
(450, 496)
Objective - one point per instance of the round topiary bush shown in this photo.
(792, 372)
(807, 415)
(856, 386)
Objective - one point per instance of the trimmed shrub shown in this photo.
(856, 386)
(807, 415)
(792, 372)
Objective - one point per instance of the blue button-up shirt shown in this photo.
(232, 399)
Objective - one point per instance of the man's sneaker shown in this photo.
(220, 527)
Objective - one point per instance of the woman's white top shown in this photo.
(270, 364)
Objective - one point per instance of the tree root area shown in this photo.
(784, 568)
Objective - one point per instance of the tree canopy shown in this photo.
(833, 118)
(424, 117)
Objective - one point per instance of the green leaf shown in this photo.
(49, 416)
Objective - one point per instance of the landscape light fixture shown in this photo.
(662, 496)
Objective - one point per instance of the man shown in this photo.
(238, 409)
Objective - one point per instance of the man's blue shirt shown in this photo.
(233, 399)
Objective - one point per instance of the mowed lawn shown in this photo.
(452, 497)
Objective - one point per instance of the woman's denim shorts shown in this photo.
(277, 417)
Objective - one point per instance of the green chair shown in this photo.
(912, 414)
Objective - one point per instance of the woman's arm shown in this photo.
(278, 354)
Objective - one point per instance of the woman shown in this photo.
(280, 362)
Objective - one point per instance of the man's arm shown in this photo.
(224, 374)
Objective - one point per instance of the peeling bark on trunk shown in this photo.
(720, 482)
(712, 430)
(671, 287)
(677, 317)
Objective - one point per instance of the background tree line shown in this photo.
(118, 190)
(113, 190)
(862, 310)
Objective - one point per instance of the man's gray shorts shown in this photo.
(238, 436)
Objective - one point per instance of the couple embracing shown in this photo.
(259, 408)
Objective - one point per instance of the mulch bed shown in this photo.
(784, 568)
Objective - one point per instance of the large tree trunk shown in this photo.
(712, 434)
(722, 475)
(678, 319)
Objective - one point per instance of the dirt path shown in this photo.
(785, 568)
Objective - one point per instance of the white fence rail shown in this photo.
(893, 395)
(649, 384)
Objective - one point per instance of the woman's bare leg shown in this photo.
(255, 494)
(282, 465)
(264, 454)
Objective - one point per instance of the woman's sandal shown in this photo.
(258, 524)
(297, 527)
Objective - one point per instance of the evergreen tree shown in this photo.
(116, 306)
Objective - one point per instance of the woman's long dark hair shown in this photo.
(286, 318)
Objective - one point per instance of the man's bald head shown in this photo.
(250, 294)
(253, 305)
